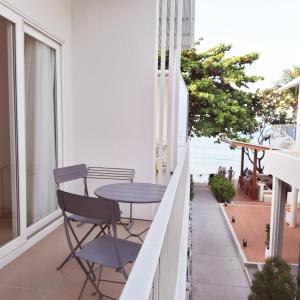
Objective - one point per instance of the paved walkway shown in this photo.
(217, 273)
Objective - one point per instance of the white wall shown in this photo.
(113, 61)
(284, 165)
(109, 65)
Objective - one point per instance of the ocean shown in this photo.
(206, 157)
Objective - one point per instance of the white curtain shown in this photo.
(40, 99)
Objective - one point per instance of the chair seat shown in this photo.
(80, 219)
(102, 251)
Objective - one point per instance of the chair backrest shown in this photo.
(70, 173)
(88, 207)
(111, 173)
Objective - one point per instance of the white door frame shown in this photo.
(19, 89)
(42, 37)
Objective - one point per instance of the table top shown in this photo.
(132, 192)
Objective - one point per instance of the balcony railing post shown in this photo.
(156, 273)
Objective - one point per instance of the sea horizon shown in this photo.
(206, 156)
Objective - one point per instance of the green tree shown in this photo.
(273, 282)
(288, 75)
(220, 103)
(273, 108)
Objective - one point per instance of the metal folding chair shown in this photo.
(66, 174)
(108, 251)
(119, 174)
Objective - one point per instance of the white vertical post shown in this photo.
(12, 121)
(293, 213)
(162, 81)
(277, 217)
(298, 123)
(177, 78)
(171, 98)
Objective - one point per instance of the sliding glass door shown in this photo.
(40, 114)
(9, 211)
(30, 101)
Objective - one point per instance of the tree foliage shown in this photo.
(288, 75)
(273, 108)
(274, 282)
(220, 102)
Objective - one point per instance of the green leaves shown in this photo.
(276, 108)
(222, 188)
(220, 105)
(274, 282)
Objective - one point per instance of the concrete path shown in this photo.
(217, 272)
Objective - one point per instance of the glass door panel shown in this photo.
(9, 207)
(40, 111)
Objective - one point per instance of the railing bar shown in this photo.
(112, 173)
(148, 259)
(109, 168)
(110, 176)
(180, 292)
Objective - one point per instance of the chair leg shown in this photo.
(102, 230)
(110, 281)
(65, 261)
(99, 278)
(89, 278)
(79, 243)
(124, 273)
(85, 282)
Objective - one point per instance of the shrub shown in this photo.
(211, 176)
(273, 282)
(192, 188)
(222, 188)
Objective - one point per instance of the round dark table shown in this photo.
(132, 193)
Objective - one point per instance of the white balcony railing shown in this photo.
(283, 136)
(161, 267)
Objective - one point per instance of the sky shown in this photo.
(269, 27)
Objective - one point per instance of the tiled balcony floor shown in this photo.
(251, 223)
(33, 275)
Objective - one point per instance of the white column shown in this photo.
(298, 123)
(162, 81)
(293, 212)
(277, 217)
(171, 99)
(177, 74)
